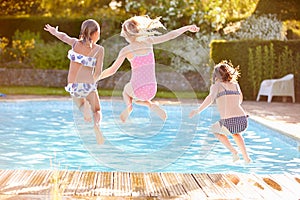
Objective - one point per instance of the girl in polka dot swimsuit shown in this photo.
(140, 34)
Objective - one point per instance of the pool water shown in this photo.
(52, 134)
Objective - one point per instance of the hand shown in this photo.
(96, 78)
(99, 78)
(193, 28)
(51, 29)
(193, 113)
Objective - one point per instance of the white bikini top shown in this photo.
(82, 59)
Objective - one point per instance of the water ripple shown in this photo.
(47, 134)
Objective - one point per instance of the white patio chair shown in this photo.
(277, 87)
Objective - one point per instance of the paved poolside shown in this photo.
(283, 117)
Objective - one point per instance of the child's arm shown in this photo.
(241, 94)
(115, 66)
(207, 101)
(99, 64)
(60, 35)
(173, 34)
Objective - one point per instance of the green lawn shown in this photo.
(19, 90)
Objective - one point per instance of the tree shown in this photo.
(209, 15)
(73, 8)
(284, 10)
(20, 7)
(56, 8)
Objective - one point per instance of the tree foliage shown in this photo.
(71, 8)
(54, 8)
(209, 15)
(284, 10)
(20, 7)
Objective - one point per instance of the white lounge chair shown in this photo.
(277, 87)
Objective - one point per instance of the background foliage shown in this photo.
(259, 60)
(284, 10)
(23, 43)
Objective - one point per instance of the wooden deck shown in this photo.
(54, 184)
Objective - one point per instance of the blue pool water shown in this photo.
(52, 134)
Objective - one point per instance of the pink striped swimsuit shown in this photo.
(143, 78)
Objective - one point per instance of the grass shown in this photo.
(35, 90)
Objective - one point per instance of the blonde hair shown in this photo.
(88, 27)
(224, 71)
(141, 27)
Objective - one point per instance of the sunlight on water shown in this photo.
(34, 132)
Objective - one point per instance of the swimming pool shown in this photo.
(52, 134)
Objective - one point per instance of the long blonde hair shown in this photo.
(141, 27)
(88, 27)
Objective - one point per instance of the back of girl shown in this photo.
(86, 61)
(140, 33)
(226, 91)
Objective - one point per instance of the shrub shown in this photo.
(260, 60)
(265, 27)
(3, 45)
(18, 50)
(27, 50)
(50, 56)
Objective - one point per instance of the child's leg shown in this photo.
(93, 99)
(153, 107)
(87, 111)
(241, 144)
(127, 97)
(225, 141)
(84, 107)
(158, 110)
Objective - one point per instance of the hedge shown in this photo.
(259, 60)
(284, 10)
(71, 26)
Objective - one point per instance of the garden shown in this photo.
(262, 39)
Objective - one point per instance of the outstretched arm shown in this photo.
(207, 101)
(60, 35)
(173, 34)
(114, 67)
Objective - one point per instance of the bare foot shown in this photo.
(87, 112)
(235, 157)
(99, 136)
(159, 111)
(248, 160)
(125, 114)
